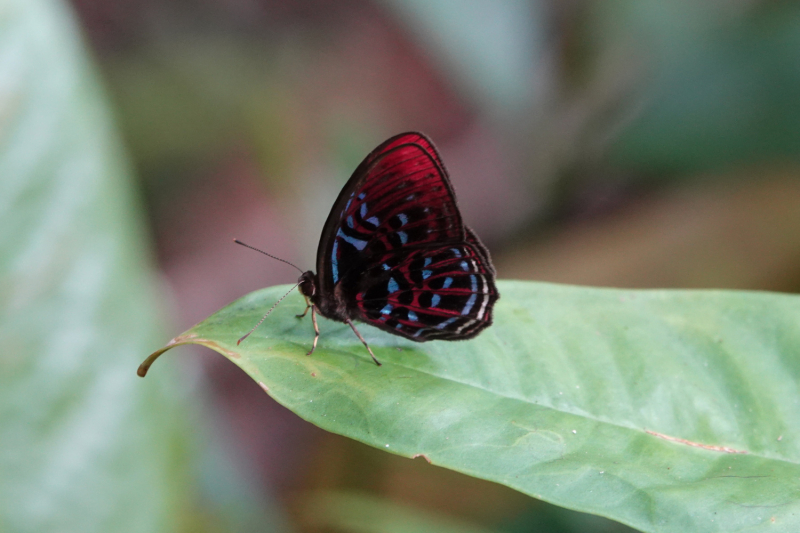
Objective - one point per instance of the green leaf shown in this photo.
(83, 446)
(665, 410)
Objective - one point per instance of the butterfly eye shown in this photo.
(308, 286)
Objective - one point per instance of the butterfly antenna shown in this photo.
(263, 318)
(237, 241)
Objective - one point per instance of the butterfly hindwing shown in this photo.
(399, 197)
(444, 292)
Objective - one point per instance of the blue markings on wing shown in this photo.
(446, 323)
(358, 243)
(473, 297)
(363, 209)
(350, 222)
(362, 196)
(426, 274)
(447, 282)
(374, 221)
(403, 219)
(456, 252)
(399, 326)
(386, 267)
(387, 309)
(393, 286)
(412, 316)
(403, 236)
(427, 261)
(418, 332)
(435, 300)
(335, 261)
(470, 303)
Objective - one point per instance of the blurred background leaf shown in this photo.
(361, 513)
(87, 447)
(719, 87)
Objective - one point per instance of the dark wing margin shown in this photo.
(398, 197)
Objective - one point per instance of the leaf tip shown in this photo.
(145, 366)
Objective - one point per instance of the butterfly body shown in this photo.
(394, 252)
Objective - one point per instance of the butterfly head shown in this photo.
(308, 284)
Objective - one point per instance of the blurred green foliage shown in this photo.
(362, 513)
(719, 86)
(86, 448)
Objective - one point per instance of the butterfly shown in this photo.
(395, 254)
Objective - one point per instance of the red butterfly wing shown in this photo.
(445, 292)
(399, 197)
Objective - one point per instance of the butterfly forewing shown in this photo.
(397, 199)
(404, 139)
(442, 292)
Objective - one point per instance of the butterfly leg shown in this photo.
(363, 341)
(316, 327)
(308, 305)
